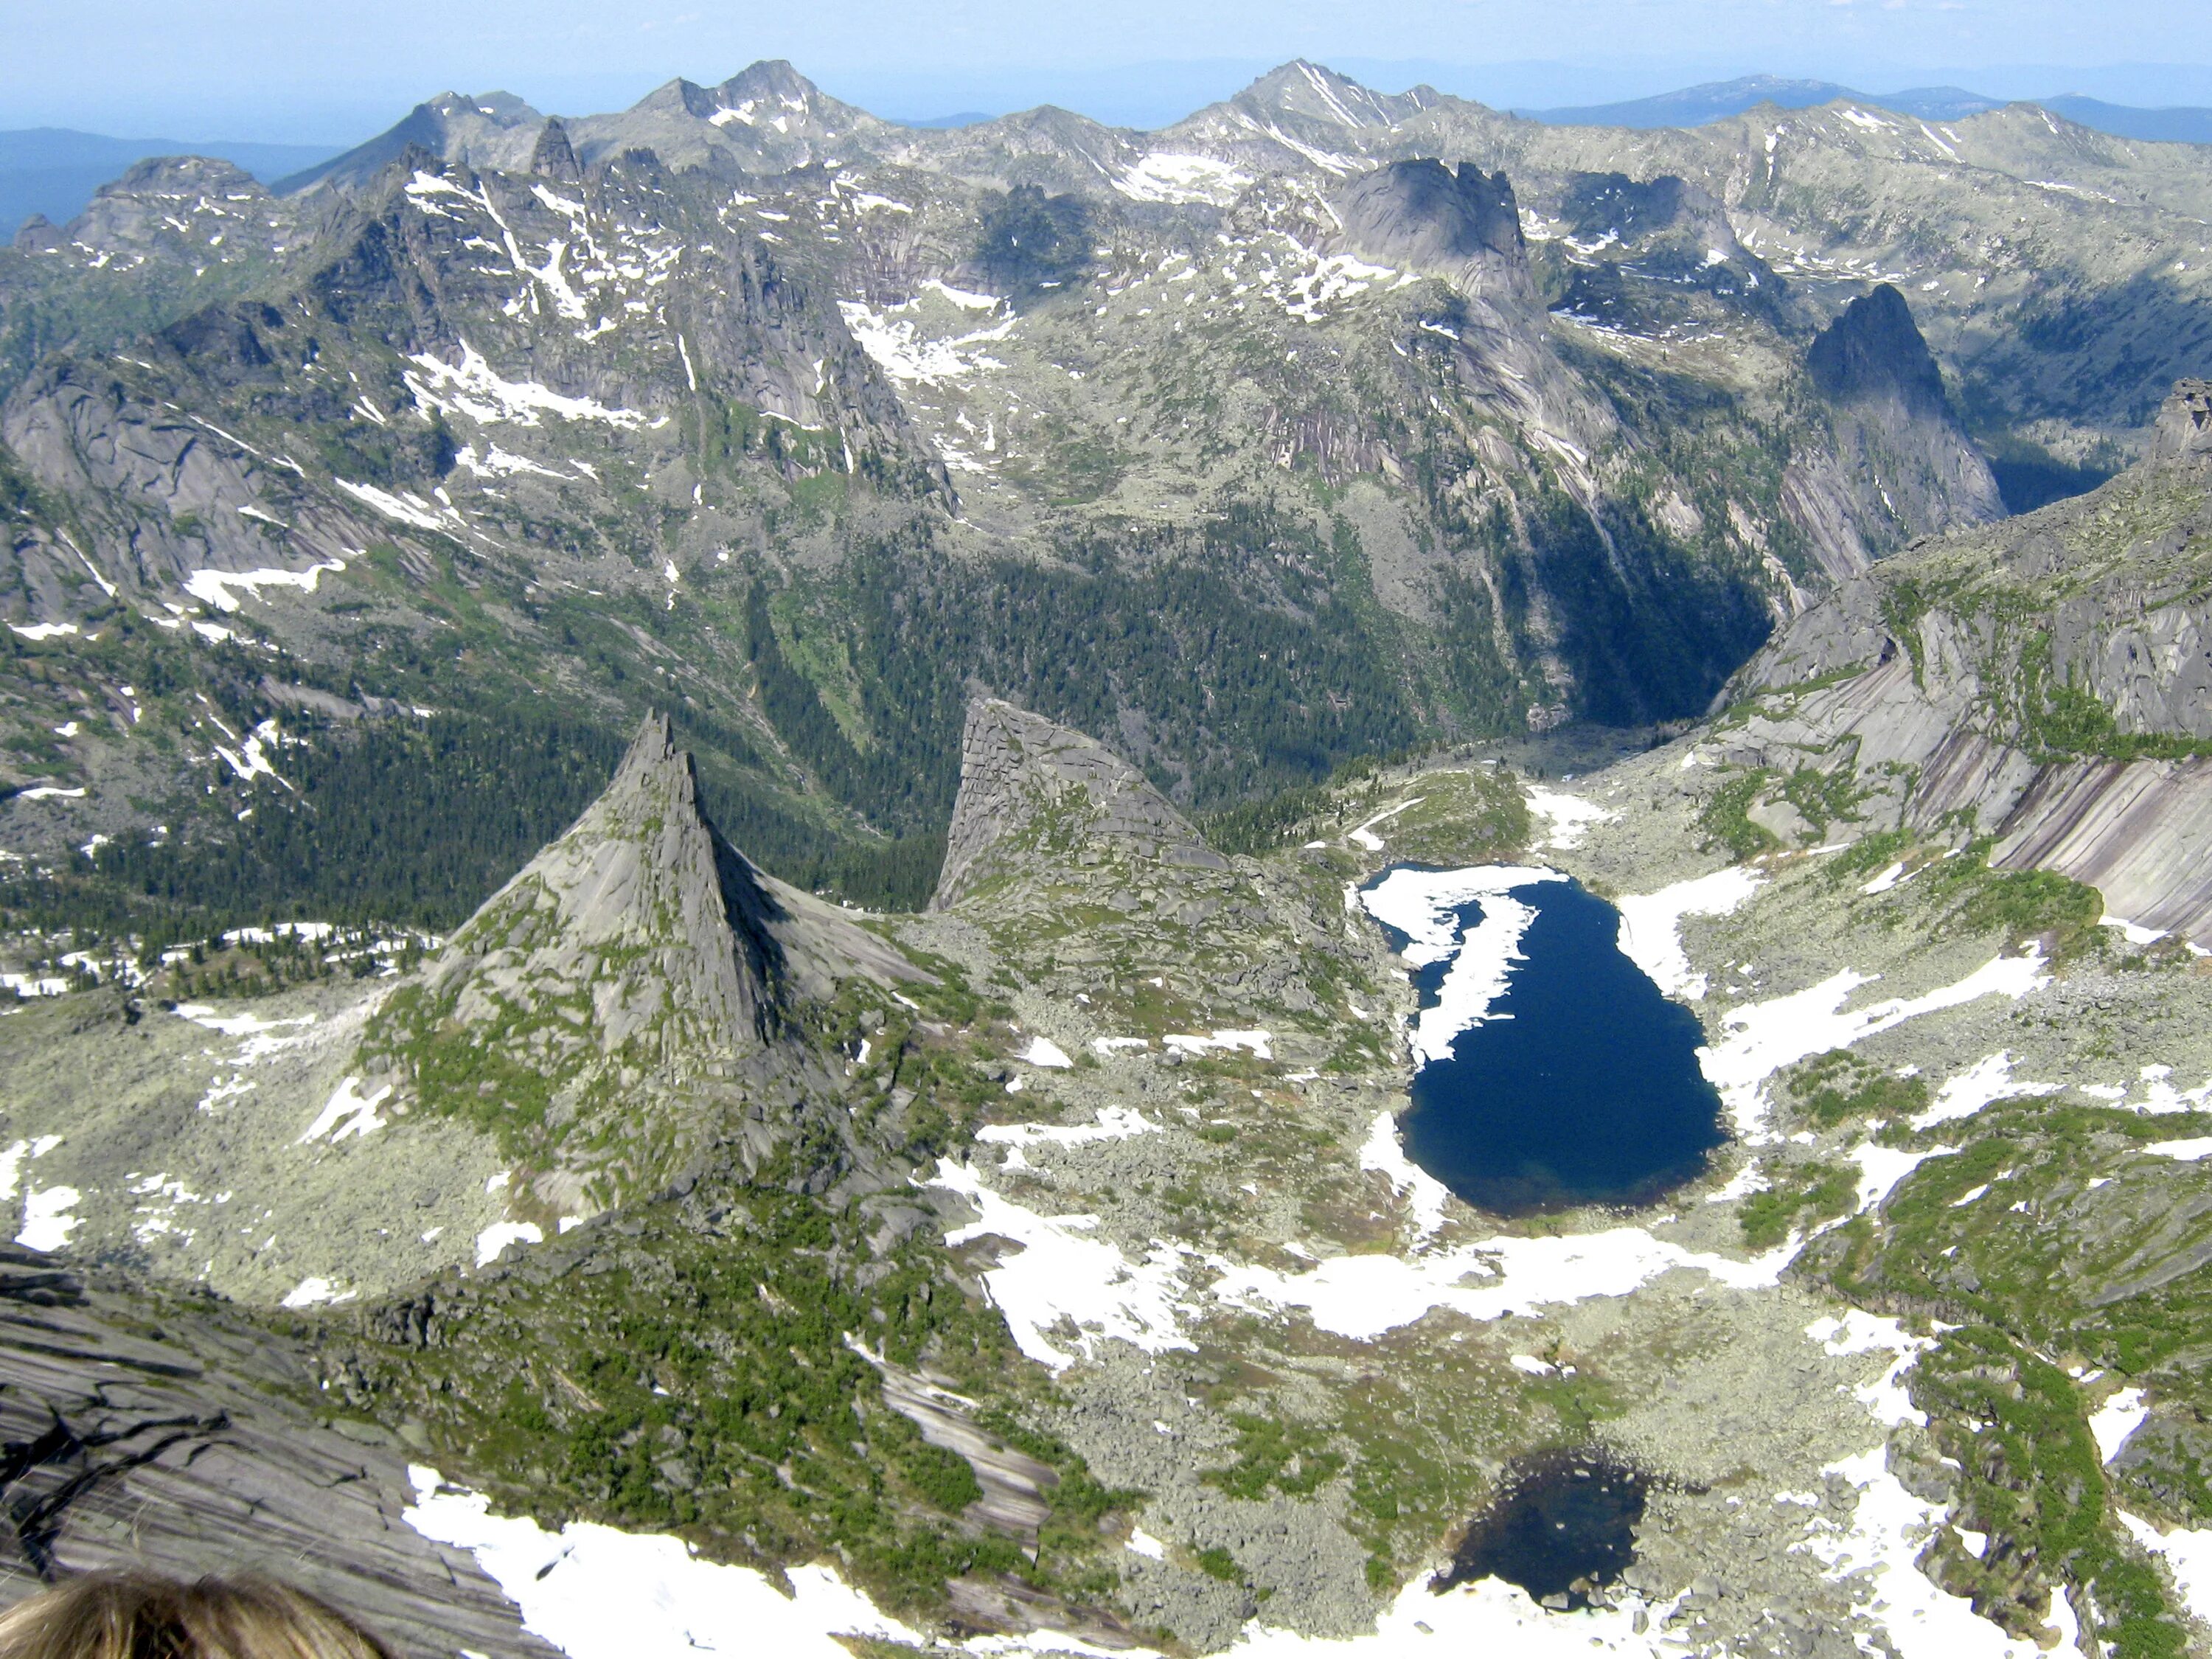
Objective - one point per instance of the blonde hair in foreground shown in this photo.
(138, 1615)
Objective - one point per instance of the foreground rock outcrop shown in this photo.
(1026, 784)
(187, 1441)
(2047, 683)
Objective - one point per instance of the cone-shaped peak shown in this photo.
(1317, 93)
(1029, 786)
(554, 157)
(634, 960)
(1875, 349)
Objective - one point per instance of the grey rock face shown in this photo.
(193, 1451)
(1995, 721)
(1423, 214)
(485, 130)
(1875, 350)
(630, 986)
(1024, 779)
(2183, 428)
(641, 880)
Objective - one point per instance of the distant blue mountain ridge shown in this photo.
(1715, 100)
(54, 170)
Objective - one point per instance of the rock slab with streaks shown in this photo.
(184, 1440)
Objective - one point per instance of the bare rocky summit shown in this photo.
(1023, 780)
(616, 1008)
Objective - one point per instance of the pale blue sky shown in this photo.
(337, 70)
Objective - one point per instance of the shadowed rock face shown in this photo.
(1899, 449)
(616, 1012)
(1421, 213)
(197, 1451)
(1026, 781)
(1875, 350)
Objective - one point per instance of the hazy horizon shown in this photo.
(256, 70)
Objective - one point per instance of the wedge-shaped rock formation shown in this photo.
(1029, 786)
(1905, 457)
(192, 1441)
(2047, 681)
(616, 1012)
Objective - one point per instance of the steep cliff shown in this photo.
(620, 1013)
(1906, 464)
(2042, 682)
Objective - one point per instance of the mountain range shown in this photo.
(53, 172)
(733, 835)
(1713, 100)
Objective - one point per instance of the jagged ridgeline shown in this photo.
(352, 528)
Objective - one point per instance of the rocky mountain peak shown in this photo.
(1028, 785)
(772, 77)
(1423, 214)
(481, 130)
(631, 960)
(1313, 91)
(2183, 428)
(1875, 350)
(643, 869)
(554, 157)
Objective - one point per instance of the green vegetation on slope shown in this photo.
(699, 1371)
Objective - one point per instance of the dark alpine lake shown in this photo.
(1581, 1087)
(1564, 1524)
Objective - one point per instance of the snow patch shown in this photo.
(1043, 1051)
(901, 350)
(47, 1223)
(1362, 1297)
(1143, 1543)
(1423, 905)
(1652, 925)
(473, 388)
(406, 508)
(1424, 1194)
(1762, 1037)
(1061, 1275)
(315, 1293)
(501, 1234)
(2187, 1555)
(1876, 1552)
(1567, 818)
(1986, 1080)
(1162, 177)
(1365, 834)
(2112, 1422)
(348, 1112)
